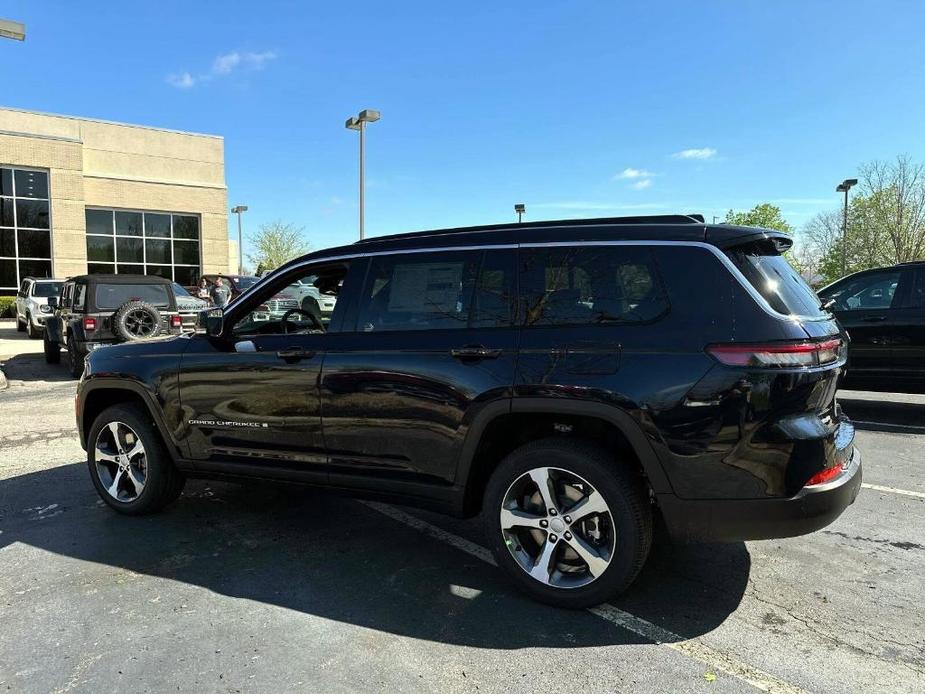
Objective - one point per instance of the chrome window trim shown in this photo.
(722, 257)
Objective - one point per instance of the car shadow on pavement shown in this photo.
(885, 415)
(339, 559)
(32, 367)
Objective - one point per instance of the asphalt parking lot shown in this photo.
(270, 589)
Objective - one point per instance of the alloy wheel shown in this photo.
(140, 323)
(121, 463)
(558, 528)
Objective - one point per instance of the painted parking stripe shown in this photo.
(891, 428)
(893, 490)
(693, 648)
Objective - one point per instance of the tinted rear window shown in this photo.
(777, 281)
(114, 295)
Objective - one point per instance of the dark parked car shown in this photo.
(189, 307)
(570, 381)
(883, 311)
(98, 310)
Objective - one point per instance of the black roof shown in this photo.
(122, 279)
(651, 228)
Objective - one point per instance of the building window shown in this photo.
(25, 227)
(144, 243)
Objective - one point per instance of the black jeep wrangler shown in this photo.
(569, 381)
(99, 310)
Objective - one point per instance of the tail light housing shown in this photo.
(780, 355)
(89, 324)
(176, 322)
(827, 475)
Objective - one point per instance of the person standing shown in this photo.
(220, 293)
(203, 291)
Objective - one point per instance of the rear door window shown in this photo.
(776, 280)
(590, 285)
(114, 295)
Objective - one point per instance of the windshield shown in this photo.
(243, 283)
(114, 295)
(180, 291)
(46, 289)
(777, 281)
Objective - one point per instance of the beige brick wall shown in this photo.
(101, 164)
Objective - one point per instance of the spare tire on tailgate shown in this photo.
(136, 320)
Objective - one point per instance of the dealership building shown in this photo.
(79, 195)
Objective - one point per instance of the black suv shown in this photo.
(570, 381)
(884, 312)
(99, 310)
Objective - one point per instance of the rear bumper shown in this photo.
(723, 520)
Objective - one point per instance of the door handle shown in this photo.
(873, 319)
(475, 352)
(295, 354)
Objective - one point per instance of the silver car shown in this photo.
(32, 304)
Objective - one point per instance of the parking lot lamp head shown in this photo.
(12, 30)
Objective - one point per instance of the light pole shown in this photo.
(238, 210)
(12, 30)
(520, 209)
(358, 122)
(844, 187)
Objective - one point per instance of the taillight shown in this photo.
(89, 324)
(824, 476)
(778, 355)
(176, 322)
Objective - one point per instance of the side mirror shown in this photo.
(214, 321)
(53, 302)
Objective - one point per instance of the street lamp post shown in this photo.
(12, 30)
(844, 187)
(358, 122)
(520, 209)
(238, 210)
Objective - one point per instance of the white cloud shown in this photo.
(222, 66)
(631, 174)
(642, 184)
(695, 153)
(181, 80)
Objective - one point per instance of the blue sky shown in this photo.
(576, 109)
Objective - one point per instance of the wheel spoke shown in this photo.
(103, 457)
(515, 518)
(138, 483)
(596, 563)
(114, 428)
(114, 487)
(593, 503)
(540, 477)
(542, 568)
(135, 450)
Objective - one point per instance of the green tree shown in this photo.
(763, 215)
(277, 243)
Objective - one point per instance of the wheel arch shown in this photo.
(96, 395)
(500, 429)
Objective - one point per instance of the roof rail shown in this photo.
(514, 226)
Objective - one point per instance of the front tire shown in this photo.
(20, 326)
(33, 332)
(52, 350)
(570, 525)
(129, 463)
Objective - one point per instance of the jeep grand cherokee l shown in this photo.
(568, 381)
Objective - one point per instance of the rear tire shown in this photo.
(52, 350)
(75, 363)
(161, 482)
(615, 542)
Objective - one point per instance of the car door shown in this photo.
(864, 307)
(249, 396)
(428, 344)
(21, 297)
(908, 322)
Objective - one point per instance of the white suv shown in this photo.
(32, 304)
